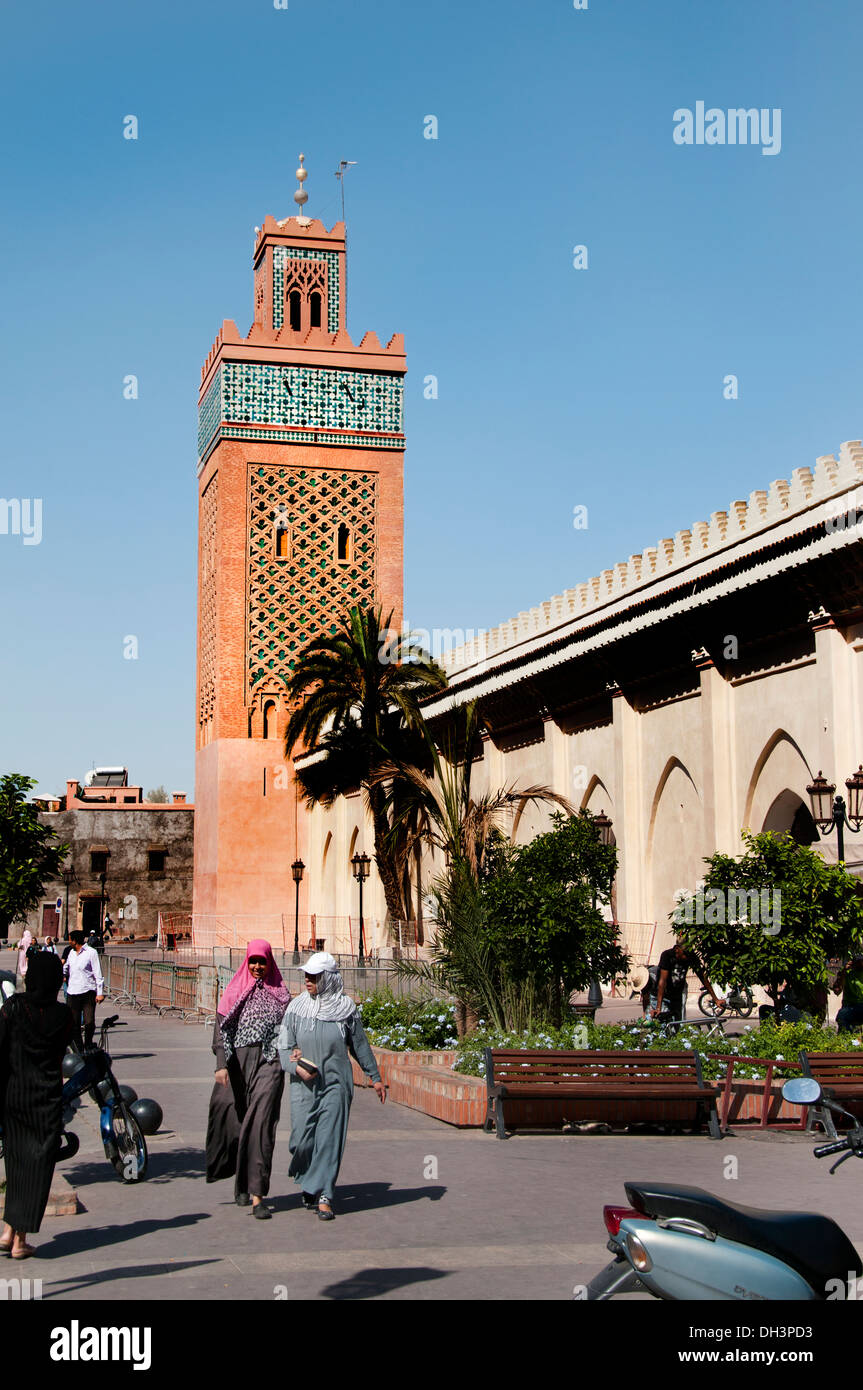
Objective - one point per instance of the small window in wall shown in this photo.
(343, 544)
(270, 719)
(282, 541)
(295, 310)
(156, 860)
(98, 861)
(315, 309)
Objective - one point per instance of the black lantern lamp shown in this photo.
(362, 867)
(830, 811)
(604, 827)
(297, 869)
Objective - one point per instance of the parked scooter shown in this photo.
(683, 1243)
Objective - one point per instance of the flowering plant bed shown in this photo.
(770, 1042)
(408, 1025)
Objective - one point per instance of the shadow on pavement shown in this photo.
(365, 1196)
(95, 1237)
(371, 1283)
(63, 1288)
(164, 1166)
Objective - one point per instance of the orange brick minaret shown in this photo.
(301, 449)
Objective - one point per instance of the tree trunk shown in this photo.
(383, 858)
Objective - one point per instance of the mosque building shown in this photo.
(686, 692)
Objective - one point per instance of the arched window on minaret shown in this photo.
(281, 540)
(269, 723)
(344, 547)
(315, 309)
(295, 310)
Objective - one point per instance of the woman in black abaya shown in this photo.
(34, 1032)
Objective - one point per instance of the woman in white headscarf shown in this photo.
(322, 1026)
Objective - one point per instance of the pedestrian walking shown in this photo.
(85, 987)
(34, 1032)
(849, 983)
(50, 946)
(322, 1026)
(246, 1100)
(24, 949)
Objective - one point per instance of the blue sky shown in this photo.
(557, 387)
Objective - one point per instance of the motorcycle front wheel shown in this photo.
(126, 1150)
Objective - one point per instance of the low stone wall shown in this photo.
(425, 1081)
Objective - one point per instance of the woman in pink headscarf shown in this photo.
(246, 1099)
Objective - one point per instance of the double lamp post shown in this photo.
(830, 812)
(362, 867)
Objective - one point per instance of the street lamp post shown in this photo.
(68, 876)
(297, 870)
(829, 811)
(362, 868)
(603, 826)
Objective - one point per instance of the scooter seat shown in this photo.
(812, 1245)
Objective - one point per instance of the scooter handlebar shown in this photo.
(824, 1149)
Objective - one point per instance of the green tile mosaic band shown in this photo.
(255, 397)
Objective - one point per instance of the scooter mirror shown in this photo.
(802, 1090)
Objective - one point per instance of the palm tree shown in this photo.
(430, 801)
(434, 796)
(356, 700)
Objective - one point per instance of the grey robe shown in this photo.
(320, 1109)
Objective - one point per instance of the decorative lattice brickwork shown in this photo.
(292, 600)
(207, 616)
(282, 272)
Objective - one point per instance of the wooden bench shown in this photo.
(841, 1077)
(542, 1088)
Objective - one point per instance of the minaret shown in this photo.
(301, 456)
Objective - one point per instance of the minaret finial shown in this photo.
(301, 197)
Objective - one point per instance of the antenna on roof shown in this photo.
(344, 166)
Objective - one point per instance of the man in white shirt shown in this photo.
(85, 987)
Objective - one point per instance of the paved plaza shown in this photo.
(519, 1219)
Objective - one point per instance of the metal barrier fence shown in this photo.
(205, 931)
(193, 990)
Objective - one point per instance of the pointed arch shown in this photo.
(676, 866)
(270, 719)
(789, 814)
(673, 762)
(594, 783)
(779, 736)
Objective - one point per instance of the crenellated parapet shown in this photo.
(764, 511)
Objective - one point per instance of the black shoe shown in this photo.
(262, 1213)
(310, 1203)
(325, 1212)
(242, 1199)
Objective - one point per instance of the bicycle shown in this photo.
(739, 1003)
(122, 1137)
